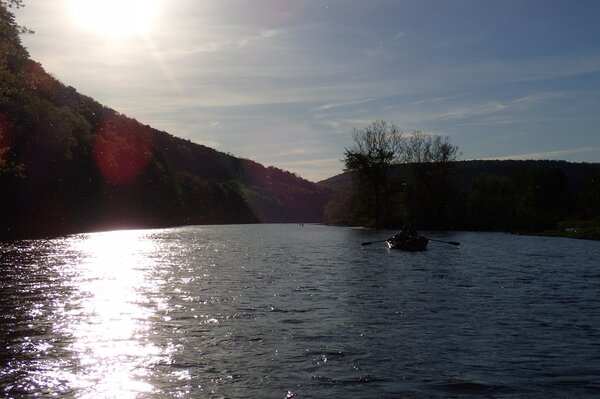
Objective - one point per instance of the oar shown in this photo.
(445, 242)
(373, 242)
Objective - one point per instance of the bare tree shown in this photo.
(421, 148)
(420, 192)
(376, 148)
(432, 158)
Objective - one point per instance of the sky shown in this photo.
(285, 82)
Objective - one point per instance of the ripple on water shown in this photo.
(281, 311)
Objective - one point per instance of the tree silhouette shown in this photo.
(376, 148)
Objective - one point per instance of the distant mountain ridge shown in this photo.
(69, 164)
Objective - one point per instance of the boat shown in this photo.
(409, 244)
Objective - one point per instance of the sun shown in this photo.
(115, 18)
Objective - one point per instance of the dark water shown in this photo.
(276, 311)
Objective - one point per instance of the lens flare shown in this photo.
(122, 149)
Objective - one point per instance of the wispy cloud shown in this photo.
(344, 104)
(437, 99)
(559, 154)
(492, 120)
(470, 111)
(313, 169)
(538, 97)
(215, 43)
(400, 35)
(483, 113)
(296, 152)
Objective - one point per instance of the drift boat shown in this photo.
(410, 244)
(418, 243)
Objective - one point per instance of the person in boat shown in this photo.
(407, 233)
(412, 232)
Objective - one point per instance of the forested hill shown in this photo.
(70, 164)
(506, 195)
(575, 173)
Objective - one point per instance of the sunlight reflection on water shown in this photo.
(111, 318)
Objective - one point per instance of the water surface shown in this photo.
(276, 311)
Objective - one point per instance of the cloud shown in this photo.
(215, 43)
(343, 104)
(312, 162)
(209, 143)
(400, 35)
(296, 152)
(313, 169)
(438, 99)
(493, 120)
(538, 97)
(559, 154)
(470, 111)
(490, 112)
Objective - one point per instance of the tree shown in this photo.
(432, 159)
(11, 3)
(588, 198)
(491, 203)
(12, 60)
(376, 148)
(12, 54)
(421, 196)
(543, 198)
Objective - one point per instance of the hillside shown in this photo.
(70, 164)
(468, 170)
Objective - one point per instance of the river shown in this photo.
(282, 311)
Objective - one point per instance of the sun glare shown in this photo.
(115, 18)
(113, 312)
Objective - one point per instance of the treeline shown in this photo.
(527, 196)
(423, 184)
(69, 164)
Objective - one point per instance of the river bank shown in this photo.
(578, 229)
